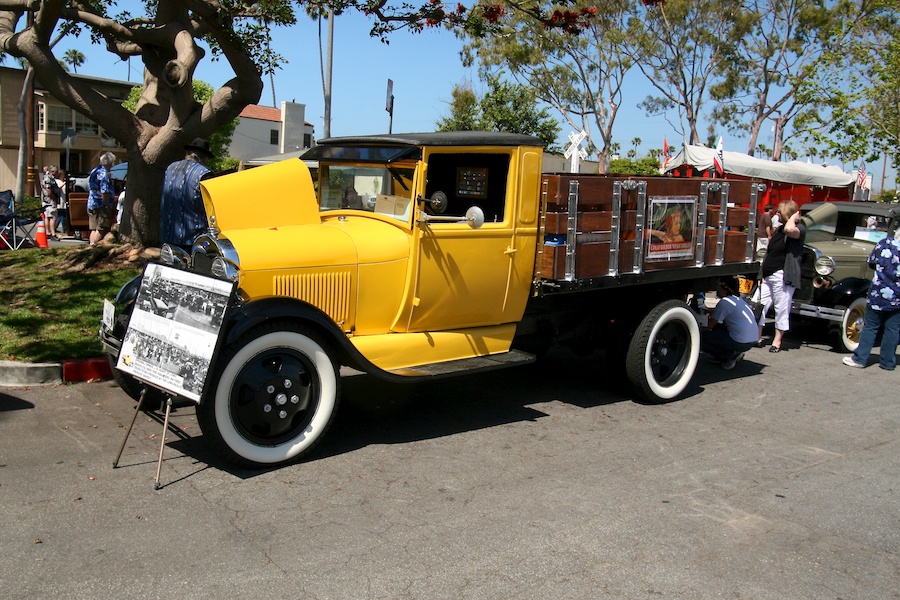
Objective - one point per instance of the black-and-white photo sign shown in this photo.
(174, 329)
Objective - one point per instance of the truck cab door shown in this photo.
(463, 275)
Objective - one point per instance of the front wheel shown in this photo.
(662, 355)
(275, 394)
(852, 325)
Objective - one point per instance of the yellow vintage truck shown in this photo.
(430, 255)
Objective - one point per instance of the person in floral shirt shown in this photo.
(882, 306)
(100, 199)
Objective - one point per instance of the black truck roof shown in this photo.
(439, 138)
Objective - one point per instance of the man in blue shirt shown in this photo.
(731, 329)
(182, 214)
(100, 199)
(882, 306)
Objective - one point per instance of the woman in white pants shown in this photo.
(780, 272)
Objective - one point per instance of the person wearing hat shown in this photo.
(731, 329)
(182, 214)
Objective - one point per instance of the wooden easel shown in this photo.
(162, 443)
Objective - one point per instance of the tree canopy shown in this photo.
(581, 77)
(503, 107)
(851, 100)
(167, 39)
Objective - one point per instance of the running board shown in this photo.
(467, 365)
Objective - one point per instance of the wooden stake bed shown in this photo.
(608, 226)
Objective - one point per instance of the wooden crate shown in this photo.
(591, 260)
(735, 246)
(78, 214)
(736, 216)
(595, 192)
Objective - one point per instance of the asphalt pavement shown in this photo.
(777, 480)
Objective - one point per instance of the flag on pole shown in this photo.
(665, 153)
(861, 175)
(718, 161)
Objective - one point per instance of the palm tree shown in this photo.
(74, 58)
(614, 148)
(635, 142)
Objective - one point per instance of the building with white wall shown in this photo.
(266, 131)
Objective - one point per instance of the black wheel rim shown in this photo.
(274, 396)
(669, 352)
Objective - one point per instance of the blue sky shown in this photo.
(424, 68)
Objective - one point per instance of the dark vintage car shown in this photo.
(834, 267)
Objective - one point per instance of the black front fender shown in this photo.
(247, 316)
(844, 292)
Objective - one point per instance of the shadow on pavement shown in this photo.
(373, 411)
(10, 403)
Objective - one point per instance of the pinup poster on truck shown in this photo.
(671, 233)
(174, 329)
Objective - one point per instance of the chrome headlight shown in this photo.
(824, 265)
(222, 269)
(174, 257)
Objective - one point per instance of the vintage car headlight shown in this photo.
(174, 257)
(223, 269)
(824, 265)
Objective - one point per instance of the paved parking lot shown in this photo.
(775, 480)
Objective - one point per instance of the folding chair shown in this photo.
(16, 229)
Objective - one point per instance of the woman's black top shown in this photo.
(784, 252)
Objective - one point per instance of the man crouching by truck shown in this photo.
(731, 329)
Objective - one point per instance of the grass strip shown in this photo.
(49, 314)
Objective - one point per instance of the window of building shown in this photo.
(273, 137)
(53, 119)
(307, 140)
(58, 118)
(84, 126)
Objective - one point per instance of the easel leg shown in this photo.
(162, 443)
(127, 433)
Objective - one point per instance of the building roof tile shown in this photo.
(264, 113)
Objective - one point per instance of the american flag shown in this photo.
(861, 175)
(718, 161)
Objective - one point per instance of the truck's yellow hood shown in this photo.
(279, 193)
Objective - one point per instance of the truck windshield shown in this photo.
(380, 189)
(851, 225)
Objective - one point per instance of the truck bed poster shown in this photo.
(173, 330)
(671, 232)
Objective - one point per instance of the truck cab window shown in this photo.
(470, 180)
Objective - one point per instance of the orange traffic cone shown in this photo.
(41, 236)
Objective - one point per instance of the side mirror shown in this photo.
(474, 218)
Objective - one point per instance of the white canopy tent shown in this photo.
(736, 163)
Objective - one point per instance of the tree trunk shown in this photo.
(24, 158)
(143, 190)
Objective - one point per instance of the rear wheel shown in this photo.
(274, 394)
(662, 355)
(852, 325)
